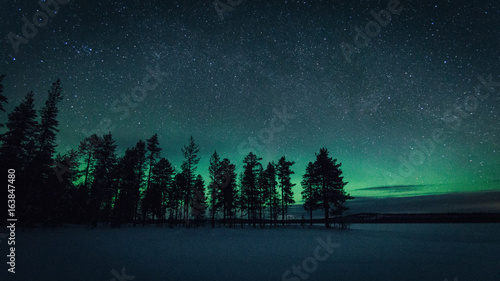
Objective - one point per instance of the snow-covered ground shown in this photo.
(364, 252)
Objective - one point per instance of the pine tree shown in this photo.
(331, 184)
(124, 206)
(16, 151)
(284, 180)
(139, 174)
(228, 193)
(189, 165)
(250, 185)
(103, 189)
(214, 185)
(178, 193)
(47, 132)
(242, 199)
(152, 199)
(261, 190)
(157, 193)
(310, 192)
(222, 188)
(41, 167)
(270, 193)
(86, 149)
(198, 204)
(18, 143)
(154, 150)
(163, 178)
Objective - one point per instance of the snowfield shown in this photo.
(363, 252)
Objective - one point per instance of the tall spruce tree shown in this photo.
(228, 193)
(249, 185)
(174, 197)
(42, 173)
(260, 193)
(103, 189)
(271, 198)
(48, 131)
(152, 198)
(178, 194)
(242, 201)
(163, 173)
(189, 165)
(139, 175)
(284, 180)
(214, 186)
(199, 201)
(86, 150)
(154, 150)
(310, 192)
(130, 182)
(331, 184)
(16, 151)
(18, 143)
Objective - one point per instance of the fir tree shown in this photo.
(47, 132)
(284, 180)
(214, 185)
(163, 178)
(198, 204)
(18, 143)
(249, 184)
(86, 149)
(103, 189)
(271, 199)
(17, 150)
(139, 174)
(124, 206)
(331, 184)
(310, 192)
(228, 193)
(189, 165)
(178, 194)
(152, 199)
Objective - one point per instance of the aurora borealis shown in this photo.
(413, 111)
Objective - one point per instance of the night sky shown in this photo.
(409, 106)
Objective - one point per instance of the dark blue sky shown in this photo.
(279, 78)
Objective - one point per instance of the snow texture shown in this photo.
(363, 252)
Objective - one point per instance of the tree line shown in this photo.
(92, 184)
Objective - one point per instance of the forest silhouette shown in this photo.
(93, 185)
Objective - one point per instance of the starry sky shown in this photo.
(409, 105)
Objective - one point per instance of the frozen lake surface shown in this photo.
(363, 252)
